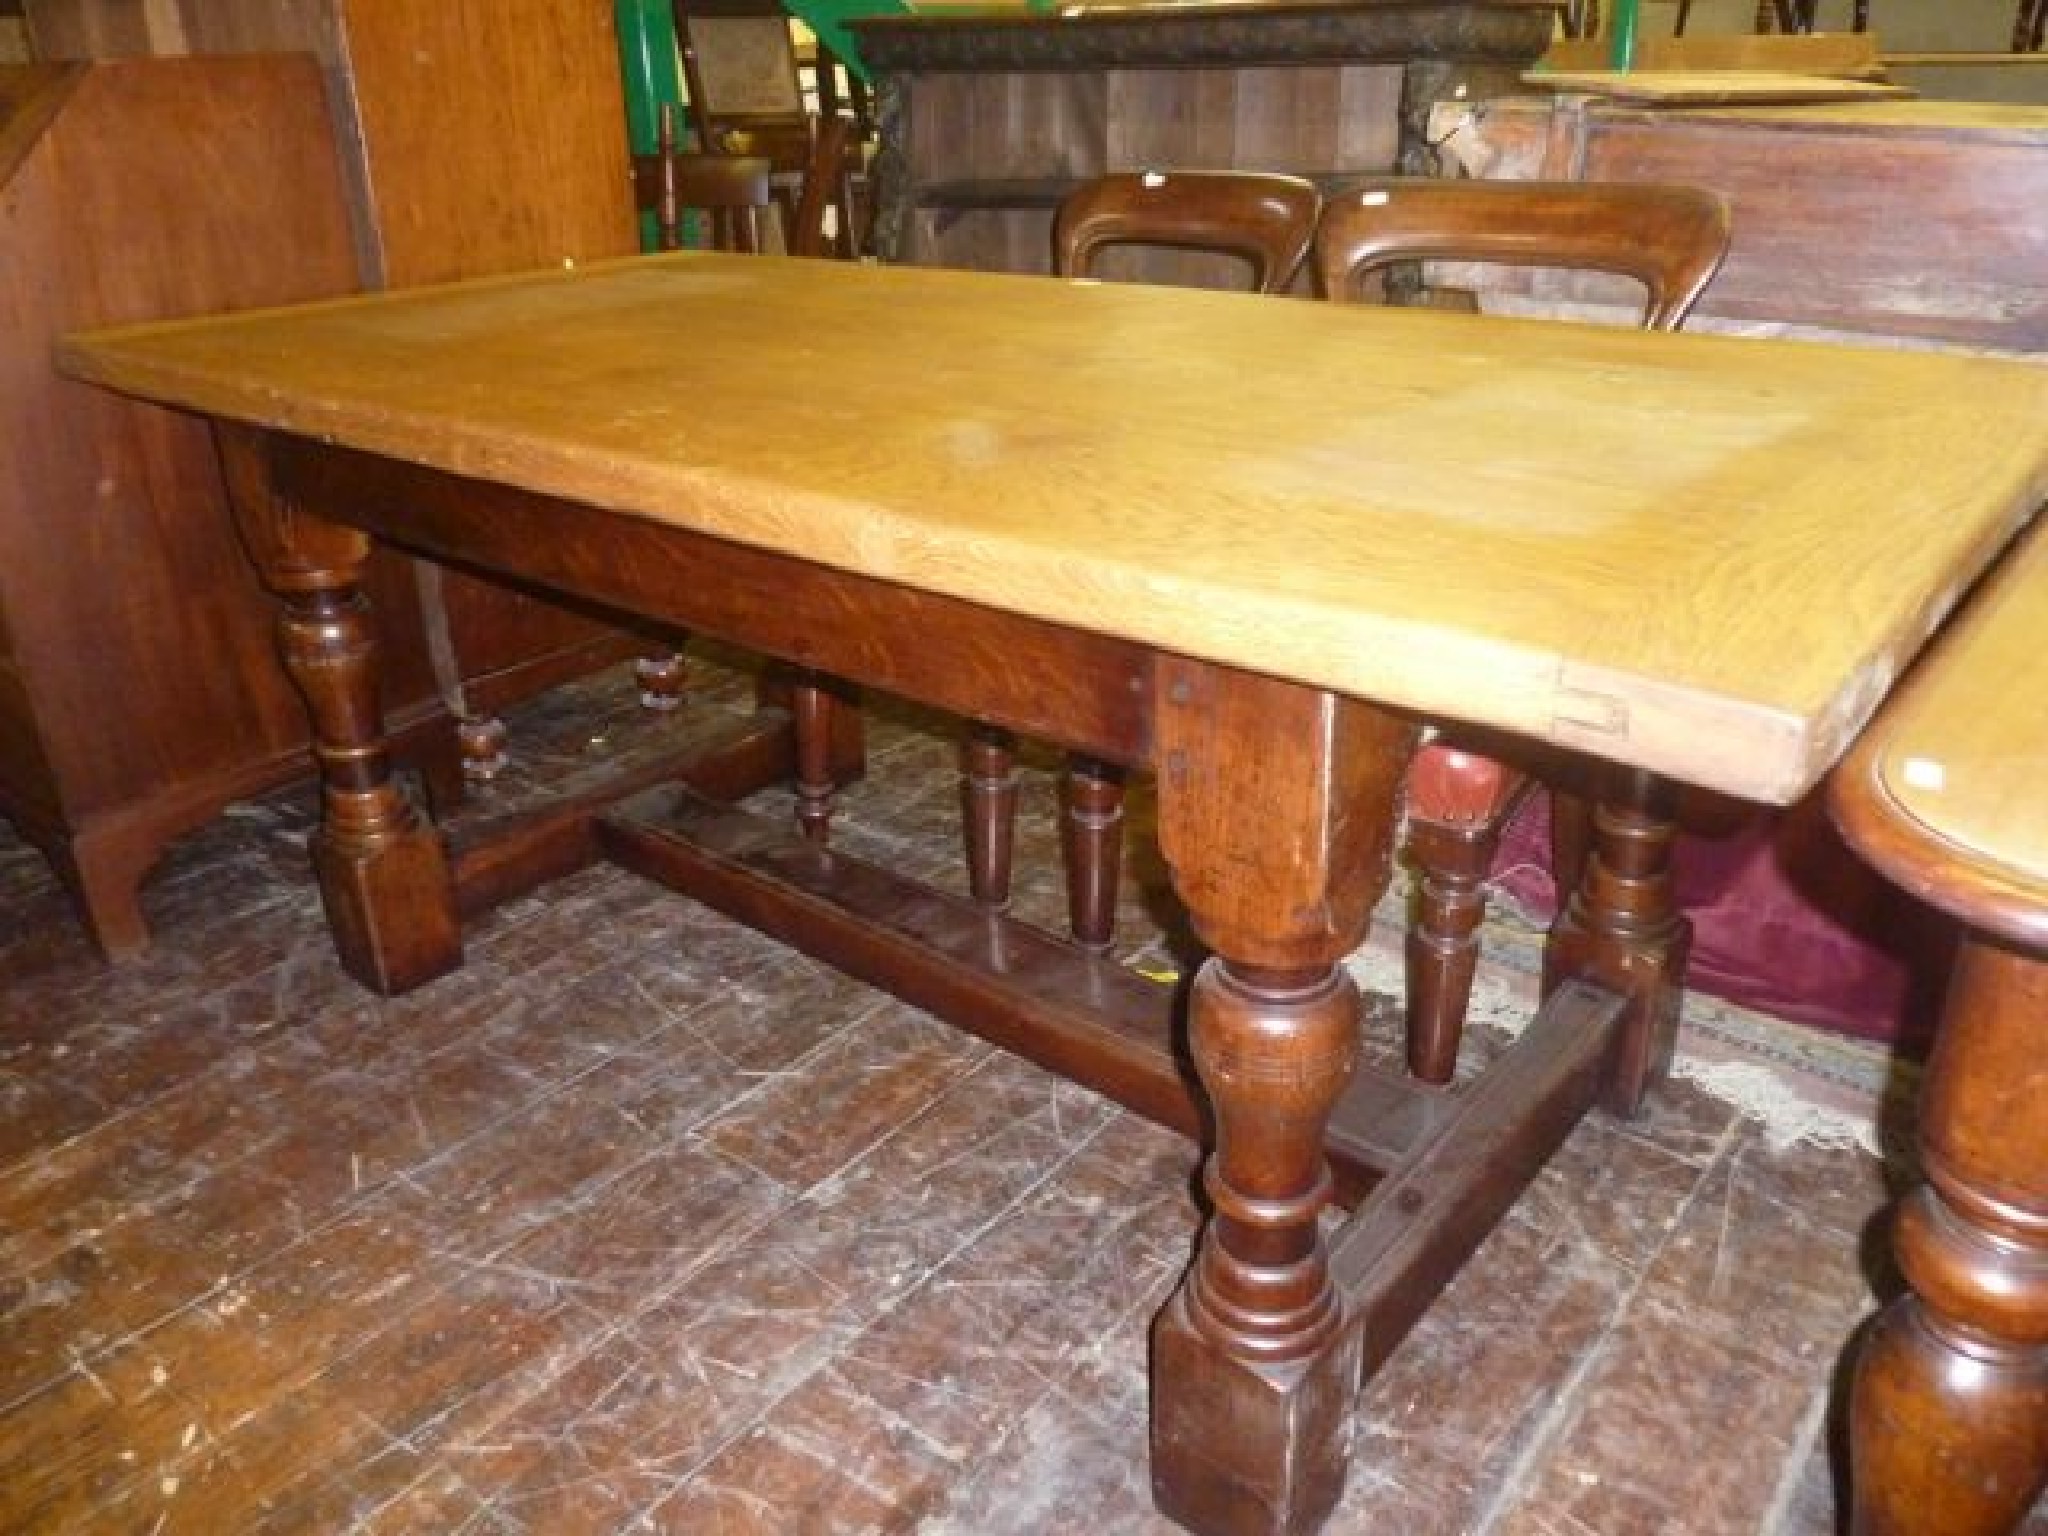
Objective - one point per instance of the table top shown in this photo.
(1952, 779)
(1702, 555)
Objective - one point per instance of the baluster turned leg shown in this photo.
(1091, 838)
(662, 680)
(1949, 1412)
(384, 876)
(1278, 855)
(1622, 928)
(1442, 947)
(988, 804)
(811, 706)
(481, 740)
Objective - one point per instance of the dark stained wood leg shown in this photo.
(481, 739)
(1949, 1412)
(1278, 856)
(1442, 948)
(988, 811)
(662, 680)
(1092, 840)
(1622, 928)
(812, 705)
(383, 873)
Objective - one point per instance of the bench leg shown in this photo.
(1949, 1412)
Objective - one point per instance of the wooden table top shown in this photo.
(1703, 555)
(1948, 790)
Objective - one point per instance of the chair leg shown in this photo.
(482, 740)
(1091, 837)
(661, 680)
(988, 806)
(1442, 949)
(1684, 15)
(811, 709)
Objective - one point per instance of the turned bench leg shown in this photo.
(1949, 1412)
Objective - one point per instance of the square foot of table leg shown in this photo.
(1244, 1450)
(392, 913)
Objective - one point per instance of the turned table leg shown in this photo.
(1621, 928)
(383, 873)
(1278, 856)
(1949, 1412)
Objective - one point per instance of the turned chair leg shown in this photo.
(661, 680)
(811, 706)
(1091, 838)
(481, 739)
(988, 811)
(1442, 949)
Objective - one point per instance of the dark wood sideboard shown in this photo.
(988, 118)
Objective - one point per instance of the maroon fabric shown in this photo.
(1786, 919)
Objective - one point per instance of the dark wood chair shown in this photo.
(1266, 222)
(746, 93)
(1460, 790)
(1791, 16)
(733, 191)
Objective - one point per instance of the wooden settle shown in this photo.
(1161, 567)
(988, 119)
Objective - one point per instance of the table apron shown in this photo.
(1089, 692)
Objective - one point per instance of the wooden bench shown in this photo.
(1947, 794)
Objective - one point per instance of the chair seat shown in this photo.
(1460, 789)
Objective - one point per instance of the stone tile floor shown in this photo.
(640, 1223)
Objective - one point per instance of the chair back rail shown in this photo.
(1267, 219)
(1671, 239)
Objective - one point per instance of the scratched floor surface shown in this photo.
(641, 1223)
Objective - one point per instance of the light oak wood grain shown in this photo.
(1954, 765)
(1706, 556)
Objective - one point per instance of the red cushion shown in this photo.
(1460, 789)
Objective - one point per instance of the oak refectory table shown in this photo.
(1244, 543)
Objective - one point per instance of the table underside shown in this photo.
(1426, 1171)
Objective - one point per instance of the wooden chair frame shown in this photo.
(1267, 219)
(1461, 788)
